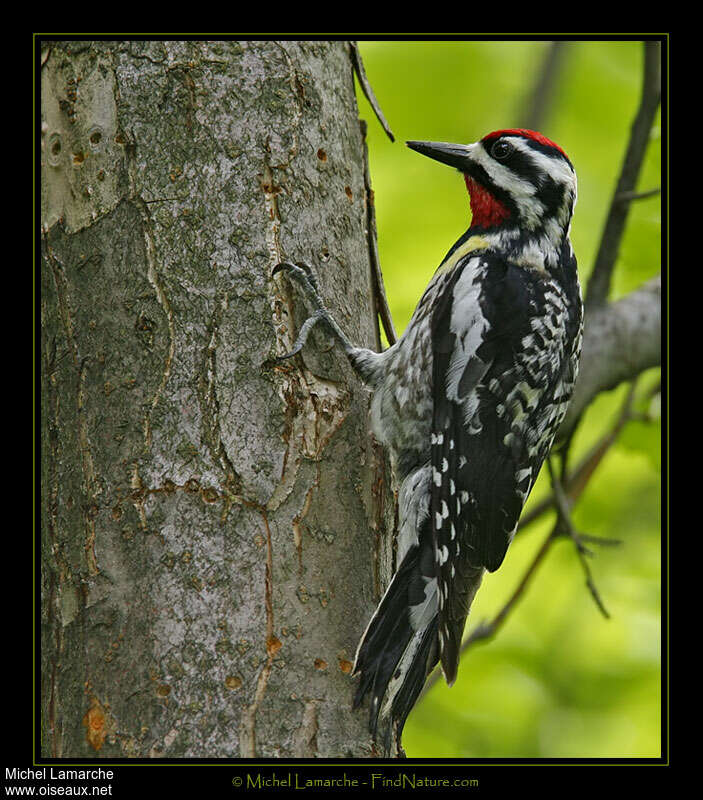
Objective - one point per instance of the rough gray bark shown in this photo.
(214, 527)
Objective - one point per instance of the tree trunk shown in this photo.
(215, 527)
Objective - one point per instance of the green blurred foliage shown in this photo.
(559, 680)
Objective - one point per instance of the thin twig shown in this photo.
(367, 90)
(628, 197)
(379, 290)
(565, 523)
(599, 283)
(601, 541)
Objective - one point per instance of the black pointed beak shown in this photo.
(455, 155)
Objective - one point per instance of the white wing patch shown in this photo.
(467, 323)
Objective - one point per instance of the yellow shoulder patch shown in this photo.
(471, 244)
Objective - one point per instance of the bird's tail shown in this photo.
(400, 647)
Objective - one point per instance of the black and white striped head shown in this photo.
(515, 177)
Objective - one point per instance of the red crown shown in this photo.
(528, 134)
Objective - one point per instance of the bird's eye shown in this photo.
(501, 149)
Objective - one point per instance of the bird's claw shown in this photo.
(281, 266)
(300, 272)
(285, 357)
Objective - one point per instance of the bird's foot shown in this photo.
(302, 275)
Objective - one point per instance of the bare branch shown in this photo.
(599, 283)
(367, 90)
(620, 341)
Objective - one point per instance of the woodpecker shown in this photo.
(467, 402)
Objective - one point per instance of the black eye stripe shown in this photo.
(521, 164)
(538, 147)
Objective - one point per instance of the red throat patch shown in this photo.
(486, 210)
